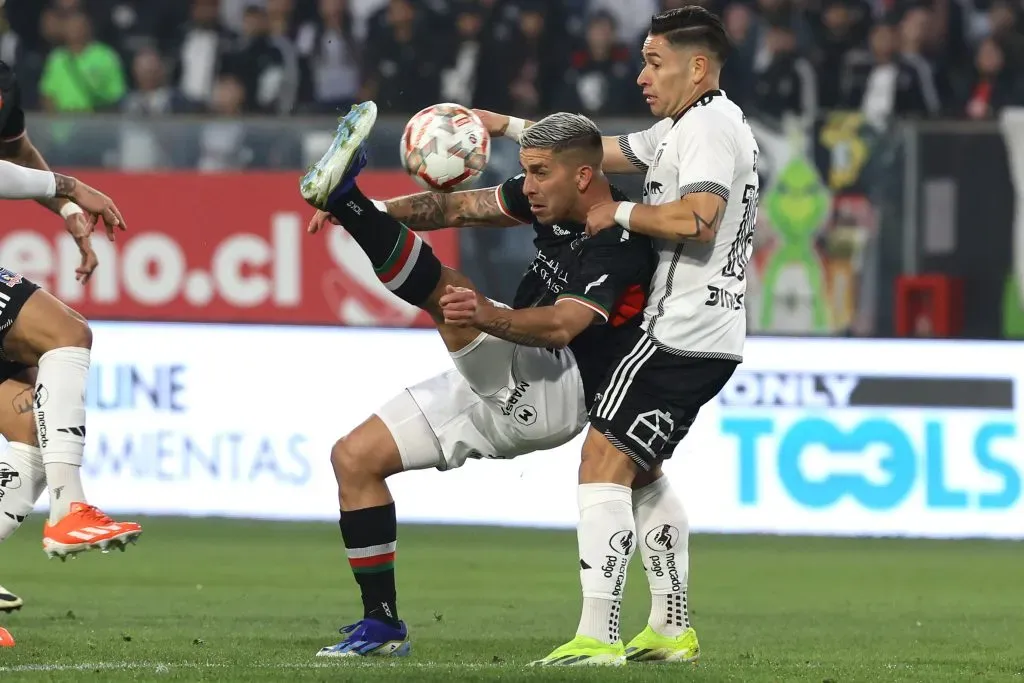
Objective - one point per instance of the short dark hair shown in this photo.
(565, 132)
(693, 26)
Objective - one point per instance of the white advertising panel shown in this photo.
(823, 436)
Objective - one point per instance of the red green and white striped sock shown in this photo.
(372, 560)
(370, 536)
(400, 258)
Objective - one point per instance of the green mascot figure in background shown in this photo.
(793, 278)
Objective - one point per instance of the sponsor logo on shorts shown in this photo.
(515, 398)
(622, 542)
(662, 538)
(652, 431)
(10, 278)
(526, 415)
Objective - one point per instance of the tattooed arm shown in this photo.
(546, 326)
(436, 210)
(22, 152)
(694, 217)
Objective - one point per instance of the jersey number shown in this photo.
(743, 246)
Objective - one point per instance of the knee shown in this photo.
(75, 332)
(353, 462)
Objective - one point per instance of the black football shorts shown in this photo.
(14, 292)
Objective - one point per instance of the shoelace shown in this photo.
(93, 513)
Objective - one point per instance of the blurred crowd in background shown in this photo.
(936, 58)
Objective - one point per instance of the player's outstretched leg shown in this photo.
(48, 335)
(369, 529)
(663, 534)
(404, 263)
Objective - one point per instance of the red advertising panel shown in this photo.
(215, 248)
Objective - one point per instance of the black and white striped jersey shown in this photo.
(696, 305)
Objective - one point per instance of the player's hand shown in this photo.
(80, 226)
(461, 306)
(97, 204)
(601, 217)
(319, 221)
(496, 124)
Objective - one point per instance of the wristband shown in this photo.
(380, 206)
(70, 209)
(623, 212)
(515, 128)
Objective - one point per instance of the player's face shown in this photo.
(671, 76)
(551, 185)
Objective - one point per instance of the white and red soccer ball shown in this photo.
(445, 146)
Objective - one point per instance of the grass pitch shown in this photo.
(217, 600)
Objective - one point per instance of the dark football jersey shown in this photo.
(609, 273)
(12, 118)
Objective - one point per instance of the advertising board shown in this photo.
(819, 436)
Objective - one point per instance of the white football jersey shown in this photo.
(696, 305)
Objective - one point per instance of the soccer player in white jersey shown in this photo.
(700, 202)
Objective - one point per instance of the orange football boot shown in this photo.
(87, 527)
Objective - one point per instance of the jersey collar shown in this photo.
(699, 102)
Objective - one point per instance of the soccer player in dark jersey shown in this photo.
(44, 359)
(504, 398)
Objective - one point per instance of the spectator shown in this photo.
(632, 19)
(84, 74)
(737, 74)
(401, 71)
(882, 84)
(839, 37)
(521, 73)
(1002, 20)
(787, 85)
(601, 79)
(224, 144)
(992, 86)
(267, 67)
(152, 95)
(458, 77)
(330, 58)
(281, 19)
(201, 48)
(918, 48)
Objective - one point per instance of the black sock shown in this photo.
(403, 262)
(370, 537)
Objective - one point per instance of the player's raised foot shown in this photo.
(341, 163)
(86, 527)
(370, 638)
(585, 651)
(9, 602)
(651, 646)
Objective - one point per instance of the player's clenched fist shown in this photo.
(601, 217)
(461, 306)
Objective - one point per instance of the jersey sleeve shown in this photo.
(512, 201)
(707, 154)
(639, 148)
(612, 263)
(12, 118)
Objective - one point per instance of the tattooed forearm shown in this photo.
(502, 329)
(24, 153)
(424, 211)
(66, 185)
(704, 225)
(435, 210)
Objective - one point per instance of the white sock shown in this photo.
(60, 424)
(664, 537)
(607, 539)
(21, 481)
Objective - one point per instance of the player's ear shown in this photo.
(584, 176)
(699, 67)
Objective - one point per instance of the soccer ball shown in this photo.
(445, 146)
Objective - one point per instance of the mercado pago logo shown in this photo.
(818, 440)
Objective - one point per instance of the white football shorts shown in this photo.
(500, 401)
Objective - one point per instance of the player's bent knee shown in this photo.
(368, 452)
(603, 463)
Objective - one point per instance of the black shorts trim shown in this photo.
(650, 399)
(15, 290)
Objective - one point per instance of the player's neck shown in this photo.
(599, 192)
(709, 85)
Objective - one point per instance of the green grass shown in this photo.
(215, 600)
